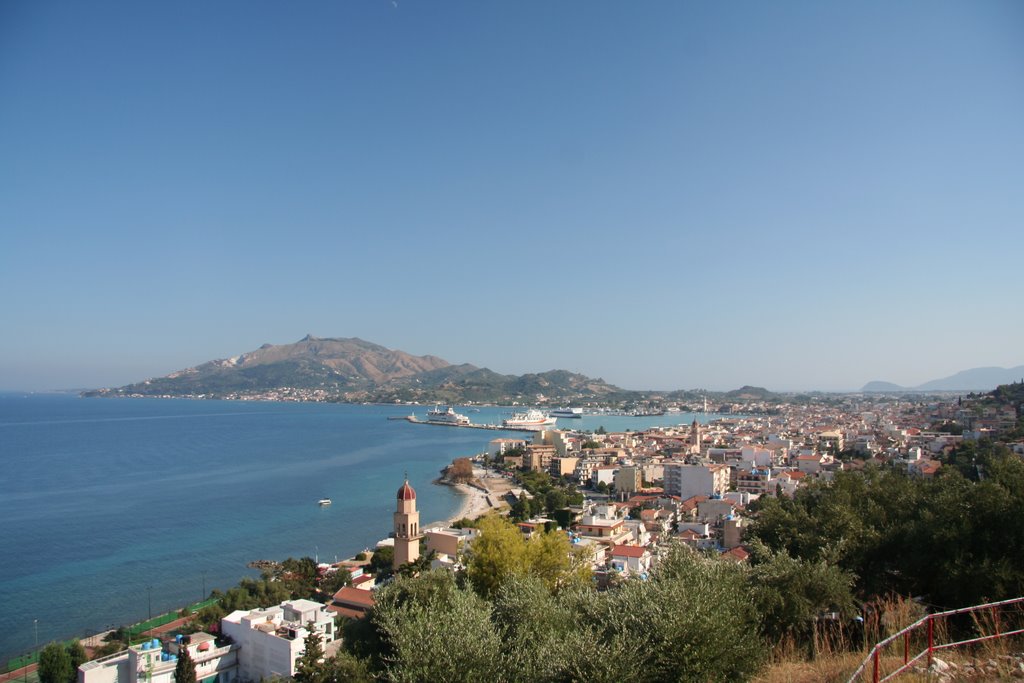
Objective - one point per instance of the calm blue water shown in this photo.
(106, 504)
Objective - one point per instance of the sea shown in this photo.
(113, 509)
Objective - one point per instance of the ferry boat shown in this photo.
(530, 419)
(567, 412)
(445, 415)
(323, 502)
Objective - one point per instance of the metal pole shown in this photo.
(931, 639)
(149, 592)
(203, 596)
(35, 623)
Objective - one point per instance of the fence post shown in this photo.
(906, 647)
(931, 639)
(874, 677)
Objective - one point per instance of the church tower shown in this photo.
(695, 437)
(407, 527)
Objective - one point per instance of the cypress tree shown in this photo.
(310, 668)
(185, 669)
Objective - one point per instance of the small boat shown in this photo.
(323, 502)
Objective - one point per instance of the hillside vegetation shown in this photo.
(358, 370)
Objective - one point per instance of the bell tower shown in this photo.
(407, 527)
(695, 437)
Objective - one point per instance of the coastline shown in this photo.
(479, 499)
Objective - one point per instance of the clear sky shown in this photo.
(798, 195)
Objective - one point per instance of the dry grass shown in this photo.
(835, 657)
(821, 670)
(993, 660)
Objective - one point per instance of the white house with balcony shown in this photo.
(272, 639)
(154, 662)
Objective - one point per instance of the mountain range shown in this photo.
(975, 379)
(356, 370)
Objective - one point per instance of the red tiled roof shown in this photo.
(691, 502)
(354, 596)
(346, 612)
(737, 554)
(628, 551)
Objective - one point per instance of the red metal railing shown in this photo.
(873, 661)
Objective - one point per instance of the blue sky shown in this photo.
(665, 194)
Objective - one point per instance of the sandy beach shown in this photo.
(475, 501)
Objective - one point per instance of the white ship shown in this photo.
(567, 412)
(445, 415)
(530, 419)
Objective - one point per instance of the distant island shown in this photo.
(354, 370)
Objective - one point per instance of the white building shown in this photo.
(630, 559)
(687, 481)
(272, 639)
(152, 662)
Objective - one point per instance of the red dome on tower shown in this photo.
(406, 492)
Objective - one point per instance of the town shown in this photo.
(618, 503)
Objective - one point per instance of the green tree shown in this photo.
(499, 552)
(555, 499)
(790, 593)
(418, 566)
(537, 629)
(698, 618)
(431, 630)
(299, 577)
(551, 558)
(347, 668)
(310, 667)
(55, 665)
(185, 668)
(520, 509)
(382, 560)
(334, 581)
(78, 656)
(946, 538)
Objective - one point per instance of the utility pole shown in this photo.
(35, 623)
(203, 596)
(149, 591)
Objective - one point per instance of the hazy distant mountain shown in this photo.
(975, 379)
(879, 386)
(750, 393)
(354, 369)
